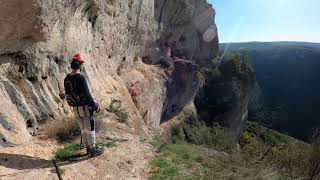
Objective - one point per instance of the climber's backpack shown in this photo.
(72, 99)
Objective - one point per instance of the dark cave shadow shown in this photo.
(23, 162)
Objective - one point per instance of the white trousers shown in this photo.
(87, 125)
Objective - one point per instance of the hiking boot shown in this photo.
(81, 143)
(96, 151)
(81, 146)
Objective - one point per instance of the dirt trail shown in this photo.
(127, 160)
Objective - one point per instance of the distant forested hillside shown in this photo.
(258, 45)
(288, 76)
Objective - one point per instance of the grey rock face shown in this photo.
(186, 40)
(189, 28)
(20, 24)
(38, 41)
(4, 123)
(182, 87)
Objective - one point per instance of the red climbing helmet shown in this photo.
(77, 58)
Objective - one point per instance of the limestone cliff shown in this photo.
(145, 53)
(39, 37)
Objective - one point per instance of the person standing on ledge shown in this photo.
(79, 97)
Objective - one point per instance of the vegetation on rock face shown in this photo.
(116, 108)
(237, 65)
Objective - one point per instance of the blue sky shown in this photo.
(267, 20)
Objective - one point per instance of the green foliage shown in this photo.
(175, 159)
(188, 161)
(60, 170)
(288, 155)
(314, 170)
(215, 137)
(264, 154)
(69, 152)
(116, 108)
(237, 65)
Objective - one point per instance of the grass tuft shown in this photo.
(69, 152)
(173, 160)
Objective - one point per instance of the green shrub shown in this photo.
(214, 137)
(266, 146)
(69, 152)
(237, 64)
(116, 108)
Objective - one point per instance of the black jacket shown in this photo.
(81, 89)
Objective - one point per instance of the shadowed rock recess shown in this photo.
(146, 53)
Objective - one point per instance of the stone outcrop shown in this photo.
(225, 93)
